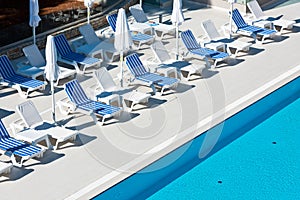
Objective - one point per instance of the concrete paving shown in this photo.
(103, 156)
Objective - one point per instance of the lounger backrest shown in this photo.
(62, 44)
(112, 21)
(138, 13)
(238, 19)
(3, 131)
(210, 30)
(89, 34)
(189, 40)
(75, 92)
(104, 79)
(135, 65)
(255, 9)
(34, 56)
(160, 52)
(6, 68)
(29, 114)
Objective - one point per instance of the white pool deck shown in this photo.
(103, 156)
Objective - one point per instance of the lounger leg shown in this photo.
(94, 117)
(153, 88)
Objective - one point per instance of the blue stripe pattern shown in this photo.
(66, 52)
(112, 21)
(242, 25)
(79, 98)
(14, 146)
(138, 70)
(10, 76)
(194, 47)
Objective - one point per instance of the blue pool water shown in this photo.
(264, 163)
(257, 156)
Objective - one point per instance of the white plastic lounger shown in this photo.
(37, 60)
(277, 21)
(202, 53)
(140, 74)
(95, 45)
(106, 89)
(253, 31)
(66, 55)
(214, 38)
(32, 119)
(17, 150)
(23, 85)
(140, 17)
(5, 168)
(80, 102)
(162, 56)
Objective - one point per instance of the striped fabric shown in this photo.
(14, 146)
(138, 70)
(242, 25)
(66, 52)
(112, 21)
(9, 76)
(194, 47)
(79, 98)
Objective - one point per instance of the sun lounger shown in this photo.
(106, 89)
(18, 151)
(164, 59)
(37, 60)
(140, 17)
(277, 21)
(215, 38)
(68, 56)
(137, 37)
(194, 48)
(245, 29)
(8, 77)
(82, 103)
(139, 72)
(33, 120)
(95, 45)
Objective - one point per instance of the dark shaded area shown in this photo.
(14, 17)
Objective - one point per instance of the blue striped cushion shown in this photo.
(15, 146)
(238, 19)
(62, 44)
(66, 52)
(79, 58)
(9, 75)
(141, 37)
(136, 67)
(266, 32)
(112, 21)
(77, 96)
(157, 79)
(192, 45)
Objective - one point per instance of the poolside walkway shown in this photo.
(103, 156)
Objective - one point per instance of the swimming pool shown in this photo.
(256, 157)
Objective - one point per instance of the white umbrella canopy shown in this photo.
(88, 4)
(177, 19)
(230, 20)
(34, 18)
(52, 69)
(123, 40)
